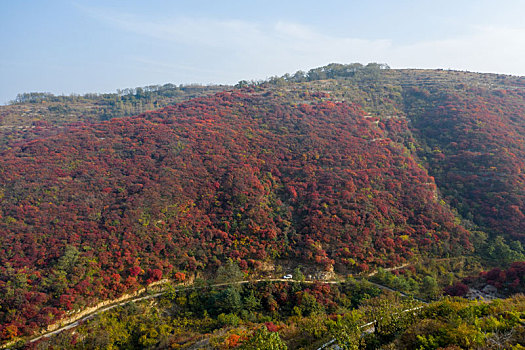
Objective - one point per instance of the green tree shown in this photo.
(429, 288)
(298, 275)
(315, 327)
(251, 303)
(346, 331)
(229, 272)
(389, 315)
(229, 300)
(68, 260)
(262, 339)
(499, 250)
(228, 320)
(309, 305)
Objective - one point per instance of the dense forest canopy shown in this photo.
(344, 169)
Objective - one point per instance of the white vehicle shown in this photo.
(287, 277)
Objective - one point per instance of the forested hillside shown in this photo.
(341, 170)
(301, 316)
(34, 115)
(468, 130)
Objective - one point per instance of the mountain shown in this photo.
(342, 169)
(35, 115)
(469, 131)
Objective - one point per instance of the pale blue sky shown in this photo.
(100, 46)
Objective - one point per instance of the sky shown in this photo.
(66, 47)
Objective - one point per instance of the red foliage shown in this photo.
(509, 281)
(9, 332)
(271, 327)
(154, 275)
(180, 276)
(458, 289)
(477, 154)
(135, 271)
(236, 175)
(232, 341)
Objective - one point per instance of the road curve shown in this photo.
(75, 323)
(137, 299)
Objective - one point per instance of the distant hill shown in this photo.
(343, 168)
(34, 115)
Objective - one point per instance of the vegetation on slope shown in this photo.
(250, 176)
(300, 316)
(333, 168)
(37, 115)
(474, 142)
(467, 129)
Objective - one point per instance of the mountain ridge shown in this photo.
(280, 169)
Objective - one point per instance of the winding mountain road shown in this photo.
(75, 322)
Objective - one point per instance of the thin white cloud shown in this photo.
(484, 49)
(262, 49)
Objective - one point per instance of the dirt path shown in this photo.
(373, 273)
(74, 322)
(85, 318)
(369, 327)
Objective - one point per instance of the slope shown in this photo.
(251, 175)
(468, 130)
